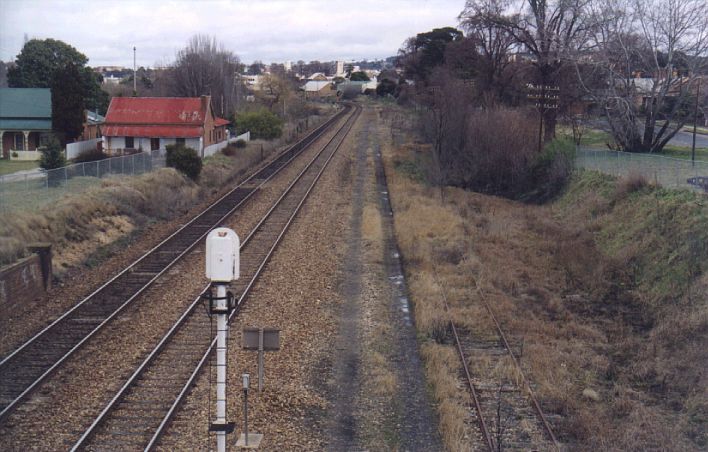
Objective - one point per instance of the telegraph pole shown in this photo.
(695, 119)
(135, 75)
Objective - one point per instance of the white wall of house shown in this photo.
(111, 144)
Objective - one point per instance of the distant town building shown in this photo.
(253, 81)
(319, 89)
(288, 66)
(340, 69)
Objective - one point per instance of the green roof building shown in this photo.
(25, 121)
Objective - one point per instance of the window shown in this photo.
(19, 142)
(180, 141)
(129, 143)
(44, 139)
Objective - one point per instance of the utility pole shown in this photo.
(695, 119)
(135, 75)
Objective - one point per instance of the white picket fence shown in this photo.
(74, 149)
(214, 148)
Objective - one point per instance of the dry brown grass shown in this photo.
(112, 209)
(632, 182)
(612, 353)
(80, 223)
(442, 367)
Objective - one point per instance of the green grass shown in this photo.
(595, 138)
(683, 152)
(11, 166)
(660, 233)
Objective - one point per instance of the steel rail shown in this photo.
(190, 310)
(488, 438)
(526, 384)
(295, 150)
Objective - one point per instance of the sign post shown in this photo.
(222, 267)
(263, 340)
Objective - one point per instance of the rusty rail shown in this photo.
(488, 439)
(524, 380)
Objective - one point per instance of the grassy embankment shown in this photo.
(606, 288)
(82, 226)
(100, 215)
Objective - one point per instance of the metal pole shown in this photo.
(246, 384)
(221, 332)
(135, 75)
(695, 119)
(260, 360)
(540, 131)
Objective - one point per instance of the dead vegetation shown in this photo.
(606, 288)
(79, 224)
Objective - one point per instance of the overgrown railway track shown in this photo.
(501, 398)
(30, 364)
(141, 410)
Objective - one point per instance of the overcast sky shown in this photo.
(267, 30)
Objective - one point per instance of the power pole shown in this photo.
(135, 75)
(695, 119)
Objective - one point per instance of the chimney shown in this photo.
(205, 104)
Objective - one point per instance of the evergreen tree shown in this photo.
(67, 103)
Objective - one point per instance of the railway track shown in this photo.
(141, 410)
(501, 399)
(24, 369)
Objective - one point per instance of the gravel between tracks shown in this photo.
(307, 292)
(55, 416)
(297, 293)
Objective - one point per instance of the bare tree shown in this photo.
(651, 54)
(205, 67)
(550, 30)
(493, 44)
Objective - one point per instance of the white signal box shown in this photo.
(222, 255)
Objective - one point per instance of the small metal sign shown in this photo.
(271, 339)
(262, 340)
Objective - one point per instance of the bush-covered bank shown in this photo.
(606, 287)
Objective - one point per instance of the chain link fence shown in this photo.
(665, 171)
(33, 189)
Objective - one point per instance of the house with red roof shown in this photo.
(135, 124)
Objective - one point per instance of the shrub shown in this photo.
(631, 183)
(495, 153)
(184, 159)
(551, 170)
(240, 143)
(90, 155)
(262, 124)
(229, 151)
(15, 154)
(52, 156)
